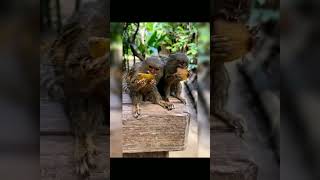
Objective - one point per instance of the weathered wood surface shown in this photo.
(57, 162)
(54, 121)
(160, 154)
(53, 118)
(156, 130)
(230, 158)
(56, 145)
(220, 126)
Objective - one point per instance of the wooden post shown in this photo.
(230, 156)
(156, 132)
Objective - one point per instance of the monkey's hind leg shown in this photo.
(234, 121)
(157, 99)
(91, 150)
(136, 100)
(219, 99)
(177, 93)
(78, 117)
(80, 151)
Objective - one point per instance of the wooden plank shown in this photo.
(53, 119)
(220, 126)
(157, 129)
(230, 158)
(57, 162)
(160, 154)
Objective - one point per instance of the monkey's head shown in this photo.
(179, 60)
(153, 65)
(232, 10)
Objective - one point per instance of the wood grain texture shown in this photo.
(54, 121)
(56, 146)
(220, 126)
(230, 158)
(156, 130)
(57, 162)
(160, 154)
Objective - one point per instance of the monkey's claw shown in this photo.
(183, 101)
(239, 125)
(136, 114)
(90, 161)
(169, 106)
(82, 168)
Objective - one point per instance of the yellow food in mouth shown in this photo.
(239, 35)
(145, 76)
(182, 73)
(98, 47)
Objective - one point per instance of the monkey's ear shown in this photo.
(98, 46)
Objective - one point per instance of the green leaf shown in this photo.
(149, 27)
(160, 40)
(179, 28)
(142, 48)
(152, 39)
(174, 49)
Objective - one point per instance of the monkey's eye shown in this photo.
(150, 67)
(157, 69)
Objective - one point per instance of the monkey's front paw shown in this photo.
(240, 125)
(183, 101)
(136, 114)
(92, 152)
(153, 82)
(82, 168)
(142, 83)
(92, 149)
(169, 106)
(90, 161)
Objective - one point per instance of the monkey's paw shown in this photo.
(136, 113)
(169, 106)
(92, 152)
(153, 82)
(183, 101)
(82, 167)
(240, 125)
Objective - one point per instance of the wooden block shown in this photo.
(230, 158)
(160, 154)
(53, 118)
(57, 160)
(219, 125)
(156, 130)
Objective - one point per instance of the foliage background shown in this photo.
(163, 38)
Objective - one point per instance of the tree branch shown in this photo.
(135, 52)
(133, 47)
(135, 33)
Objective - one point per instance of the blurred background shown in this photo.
(300, 135)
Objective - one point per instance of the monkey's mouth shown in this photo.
(151, 72)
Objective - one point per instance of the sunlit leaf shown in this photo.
(152, 39)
